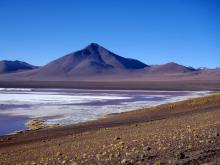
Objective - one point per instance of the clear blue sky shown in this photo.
(153, 31)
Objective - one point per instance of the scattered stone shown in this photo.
(117, 155)
(121, 143)
(124, 161)
(110, 156)
(189, 146)
(127, 153)
(27, 163)
(117, 138)
(147, 148)
(30, 163)
(208, 141)
(84, 155)
(104, 153)
(180, 155)
(59, 154)
(74, 163)
(131, 161)
(158, 162)
(142, 156)
(98, 156)
(201, 141)
(9, 138)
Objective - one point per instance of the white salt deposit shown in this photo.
(73, 106)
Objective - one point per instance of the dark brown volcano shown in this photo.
(90, 60)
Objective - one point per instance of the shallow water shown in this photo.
(9, 124)
(68, 106)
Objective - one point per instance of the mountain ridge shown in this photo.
(95, 62)
(91, 59)
(7, 66)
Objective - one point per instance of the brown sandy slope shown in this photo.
(185, 133)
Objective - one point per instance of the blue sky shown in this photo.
(153, 31)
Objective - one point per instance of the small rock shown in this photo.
(124, 161)
(131, 161)
(27, 163)
(201, 141)
(84, 155)
(33, 163)
(110, 156)
(180, 155)
(98, 156)
(127, 153)
(104, 153)
(142, 156)
(117, 155)
(147, 148)
(117, 138)
(158, 162)
(121, 143)
(189, 146)
(74, 163)
(9, 138)
(208, 141)
(59, 154)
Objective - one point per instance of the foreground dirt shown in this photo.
(181, 133)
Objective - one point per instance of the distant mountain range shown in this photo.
(95, 62)
(93, 59)
(15, 66)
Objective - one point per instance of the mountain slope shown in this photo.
(95, 63)
(14, 66)
(170, 68)
(90, 60)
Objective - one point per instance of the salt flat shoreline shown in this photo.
(195, 85)
(111, 116)
(123, 137)
(77, 105)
